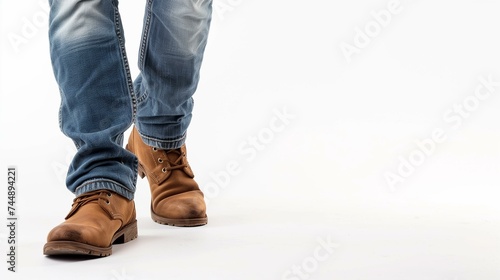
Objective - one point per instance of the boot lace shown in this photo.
(176, 163)
(84, 199)
(88, 197)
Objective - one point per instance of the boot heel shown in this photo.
(141, 171)
(127, 234)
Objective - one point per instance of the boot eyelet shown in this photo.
(164, 170)
(155, 149)
(109, 194)
(160, 160)
(107, 202)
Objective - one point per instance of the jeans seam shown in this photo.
(126, 66)
(60, 117)
(143, 97)
(145, 34)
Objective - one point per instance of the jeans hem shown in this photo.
(104, 184)
(164, 144)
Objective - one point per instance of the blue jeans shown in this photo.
(99, 99)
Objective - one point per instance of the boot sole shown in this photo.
(195, 222)
(124, 235)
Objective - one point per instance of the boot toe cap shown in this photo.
(78, 233)
(189, 205)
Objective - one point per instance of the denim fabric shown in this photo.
(99, 98)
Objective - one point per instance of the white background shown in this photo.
(320, 177)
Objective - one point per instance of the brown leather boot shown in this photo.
(97, 220)
(176, 199)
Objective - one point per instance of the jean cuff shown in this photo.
(104, 184)
(162, 143)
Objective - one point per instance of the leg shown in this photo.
(174, 38)
(97, 106)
